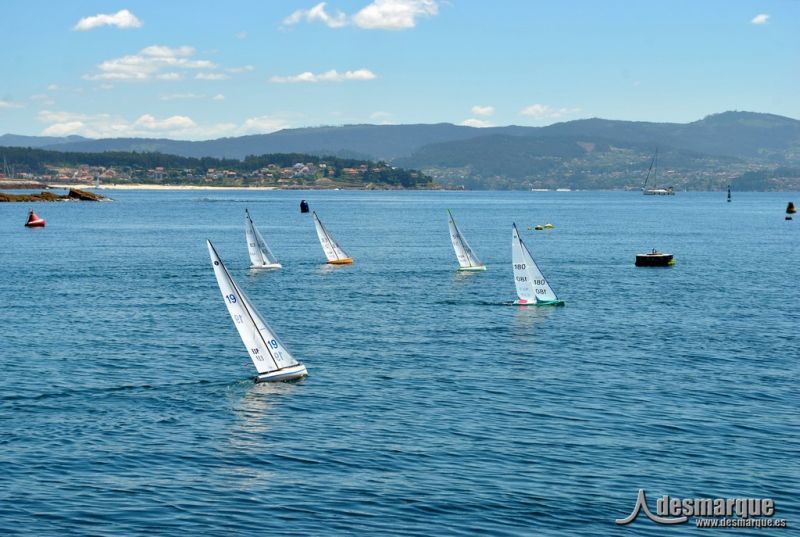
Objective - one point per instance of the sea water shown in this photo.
(433, 406)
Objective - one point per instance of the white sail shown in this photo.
(532, 287)
(332, 250)
(260, 254)
(467, 259)
(268, 353)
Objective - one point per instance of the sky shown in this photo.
(206, 69)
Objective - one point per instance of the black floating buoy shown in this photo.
(303, 206)
(790, 208)
(654, 259)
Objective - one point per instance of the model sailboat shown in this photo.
(532, 287)
(467, 259)
(273, 362)
(260, 254)
(335, 253)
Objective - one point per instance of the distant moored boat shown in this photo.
(655, 191)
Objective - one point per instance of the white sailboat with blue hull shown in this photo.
(532, 287)
(261, 257)
(467, 260)
(272, 360)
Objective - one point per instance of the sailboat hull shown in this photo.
(287, 373)
(345, 261)
(272, 266)
(472, 269)
(539, 303)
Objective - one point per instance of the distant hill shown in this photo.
(733, 134)
(17, 140)
(375, 142)
(604, 153)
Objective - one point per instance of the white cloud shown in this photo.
(148, 125)
(211, 76)
(170, 76)
(241, 35)
(262, 125)
(149, 63)
(42, 99)
(64, 129)
(121, 19)
(482, 110)
(761, 18)
(394, 14)
(316, 14)
(181, 96)
(9, 104)
(479, 123)
(382, 118)
(543, 111)
(328, 76)
(378, 15)
(172, 123)
(242, 69)
(52, 87)
(218, 97)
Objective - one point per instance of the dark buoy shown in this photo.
(790, 208)
(729, 193)
(303, 206)
(34, 220)
(654, 259)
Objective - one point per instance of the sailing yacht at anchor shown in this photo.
(655, 191)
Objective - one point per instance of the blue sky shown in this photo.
(206, 69)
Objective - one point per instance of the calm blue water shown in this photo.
(433, 407)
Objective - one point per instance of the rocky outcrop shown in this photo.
(73, 195)
(83, 195)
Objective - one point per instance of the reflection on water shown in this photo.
(527, 317)
(253, 409)
(465, 276)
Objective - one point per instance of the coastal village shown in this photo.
(298, 175)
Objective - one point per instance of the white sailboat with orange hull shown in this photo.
(272, 360)
(532, 287)
(335, 253)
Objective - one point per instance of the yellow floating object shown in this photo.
(549, 226)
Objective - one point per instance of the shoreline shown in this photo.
(145, 186)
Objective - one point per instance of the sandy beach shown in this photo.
(139, 186)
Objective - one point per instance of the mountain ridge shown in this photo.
(717, 146)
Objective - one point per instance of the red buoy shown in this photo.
(34, 220)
